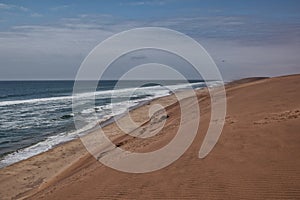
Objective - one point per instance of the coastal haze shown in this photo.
(161, 99)
(49, 40)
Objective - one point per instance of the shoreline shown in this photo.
(74, 145)
(102, 123)
(69, 137)
(40, 172)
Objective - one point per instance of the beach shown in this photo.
(256, 156)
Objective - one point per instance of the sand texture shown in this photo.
(256, 157)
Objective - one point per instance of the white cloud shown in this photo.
(12, 7)
(146, 3)
(62, 7)
(4, 6)
(36, 15)
(51, 51)
(48, 50)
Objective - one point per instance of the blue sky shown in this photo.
(49, 39)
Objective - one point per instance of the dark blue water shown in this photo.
(37, 115)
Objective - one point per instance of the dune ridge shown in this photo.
(256, 157)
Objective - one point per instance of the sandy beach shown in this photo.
(256, 157)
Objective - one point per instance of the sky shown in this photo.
(49, 39)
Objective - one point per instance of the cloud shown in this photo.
(55, 50)
(248, 30)
(61, 7)
(253, 60)
(12, 7)
(146, 3)
(36, 15)
(250, 46)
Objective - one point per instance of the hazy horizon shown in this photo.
(48, 40)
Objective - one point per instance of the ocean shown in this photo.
(35, 116)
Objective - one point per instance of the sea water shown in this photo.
(35, 116)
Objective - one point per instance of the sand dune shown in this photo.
(256, 157)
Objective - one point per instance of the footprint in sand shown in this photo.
(230, 120)
(279, 117)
